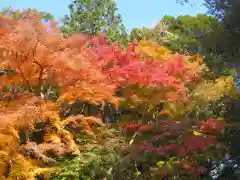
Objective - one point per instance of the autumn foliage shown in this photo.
(44, 74)
(40, 59)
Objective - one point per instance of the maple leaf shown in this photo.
(83, 123)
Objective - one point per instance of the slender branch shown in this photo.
(34, 50)
(40, 73)
(22, 75)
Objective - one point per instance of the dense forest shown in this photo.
(84, 99)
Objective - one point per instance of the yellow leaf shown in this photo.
(195, 133)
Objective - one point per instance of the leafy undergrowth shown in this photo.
(98, 159)
(168, 149)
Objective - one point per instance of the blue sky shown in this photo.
(135, 13)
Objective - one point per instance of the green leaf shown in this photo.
(160, 164)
